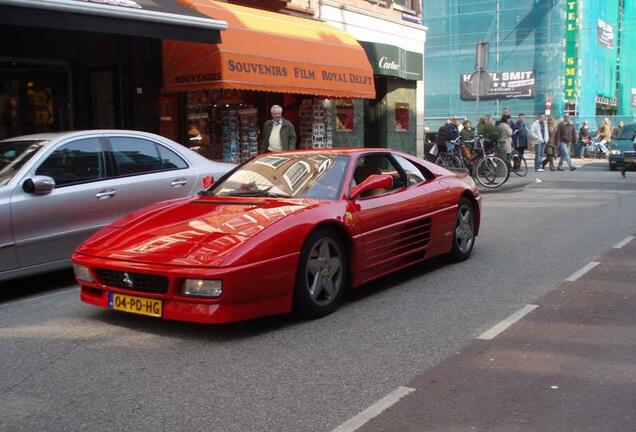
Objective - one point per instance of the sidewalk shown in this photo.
(516, 182)
(569, 365)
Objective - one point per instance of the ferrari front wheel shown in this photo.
(321, 275)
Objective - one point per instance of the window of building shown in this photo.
(407, 5)
(344, 115)
(402, 117)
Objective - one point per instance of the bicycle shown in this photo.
(518, 163)
(595, 149)
(484, 165)
(450, 159)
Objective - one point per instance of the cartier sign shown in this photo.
(387, 64)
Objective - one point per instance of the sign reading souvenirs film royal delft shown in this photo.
(505, 85)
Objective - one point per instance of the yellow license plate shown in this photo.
(136, 305)
(630, 160)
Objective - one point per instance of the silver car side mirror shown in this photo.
(38, 185)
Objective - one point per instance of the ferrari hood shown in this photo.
(194, 232)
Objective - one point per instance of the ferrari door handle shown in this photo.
(179, 182)
(105, 194)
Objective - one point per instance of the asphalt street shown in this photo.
(68, 366)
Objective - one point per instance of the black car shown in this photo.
(622, 148)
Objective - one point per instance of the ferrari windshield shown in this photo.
(287, 175)
(14, 154)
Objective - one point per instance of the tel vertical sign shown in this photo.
(571, 59)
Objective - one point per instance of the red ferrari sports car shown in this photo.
(286, 231)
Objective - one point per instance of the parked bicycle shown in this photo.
(596, 149)
(518, 163)
(482, 163)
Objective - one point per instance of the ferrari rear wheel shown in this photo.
(321, 276)
(464, 235)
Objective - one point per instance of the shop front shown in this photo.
(85, 64)
(217, 97)
(391, 118)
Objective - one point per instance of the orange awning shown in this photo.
(268, 51)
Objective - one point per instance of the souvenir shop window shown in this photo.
(344, 115)
(402, 117)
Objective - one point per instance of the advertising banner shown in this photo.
(571, 55)
(505, 85)
(633, 97)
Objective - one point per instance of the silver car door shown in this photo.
(47, 228)
(148, 172)
(8, 259)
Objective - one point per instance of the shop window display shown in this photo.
(221, 126)
(401, 117)
(315, 124)
(344, 115)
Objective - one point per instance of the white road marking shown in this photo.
(586, 268)
(624, 242)
(374, 410)
(36, 298)
(503, 325)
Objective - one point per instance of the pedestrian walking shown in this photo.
(565, 136)
(550, 145)
(506, 134)
(447, 133)
(467, 138)
(539, 131)
(583, 141)
(520, 135)
(278, 133)
(505, 113)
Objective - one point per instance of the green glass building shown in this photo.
(577, 55)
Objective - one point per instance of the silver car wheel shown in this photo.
(324, 275)
(464, 229)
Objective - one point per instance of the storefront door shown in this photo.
(105, 97)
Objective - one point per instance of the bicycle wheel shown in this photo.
(587, 154)
(492, 172)
(518, 165)
(448, 161)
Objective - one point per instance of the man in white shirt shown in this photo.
(278, 133)
(539, 131)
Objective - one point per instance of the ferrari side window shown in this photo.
(414, 175)
(376, 164)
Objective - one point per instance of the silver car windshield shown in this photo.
(14, 154)
(287, 175)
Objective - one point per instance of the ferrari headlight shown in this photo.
(615, 152)
(82, 273)
(202, 287)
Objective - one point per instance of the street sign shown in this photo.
(481, 56)
(480, 83)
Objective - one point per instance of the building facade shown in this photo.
(393, 37)
(574, 56)
(88, 64)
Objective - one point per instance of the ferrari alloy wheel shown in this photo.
(464, 235)
(322, 275)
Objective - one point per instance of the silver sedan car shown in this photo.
(58, 188)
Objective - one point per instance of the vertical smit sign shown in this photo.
(571, 59)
